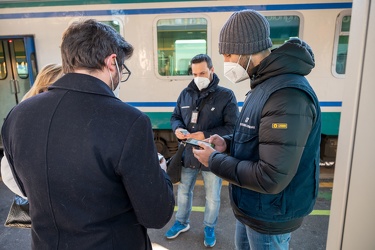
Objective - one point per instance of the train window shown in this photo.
(283, 28)
(3, 66)
(341, 44)
(179, 40)
(114, 24)
(20, 55)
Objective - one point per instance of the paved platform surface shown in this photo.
(312, 235)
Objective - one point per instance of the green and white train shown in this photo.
(166, 35)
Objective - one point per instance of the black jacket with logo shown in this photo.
(217, 115)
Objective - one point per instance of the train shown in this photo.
(166, 35)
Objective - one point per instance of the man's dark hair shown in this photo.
(202, 58)
(86, 44)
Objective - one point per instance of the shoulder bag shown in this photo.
(19, 214)
(174, 164)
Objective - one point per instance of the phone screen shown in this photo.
(194, 142)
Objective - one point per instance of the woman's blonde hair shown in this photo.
(48, 75)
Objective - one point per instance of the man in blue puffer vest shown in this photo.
(272, 158)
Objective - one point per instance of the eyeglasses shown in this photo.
(125, 73)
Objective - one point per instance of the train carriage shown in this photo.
(166, 35)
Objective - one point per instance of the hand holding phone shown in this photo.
(202, 153)
(181, 133)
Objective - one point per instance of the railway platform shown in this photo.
(312, 235)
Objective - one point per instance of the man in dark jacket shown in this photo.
(92, 178)
(273, 166)
(203, 109)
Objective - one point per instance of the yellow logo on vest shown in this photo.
(280, 125)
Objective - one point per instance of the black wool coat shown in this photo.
(89, 167)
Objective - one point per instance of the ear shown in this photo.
(109, 62)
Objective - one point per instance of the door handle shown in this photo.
(12, 86)
(17, 85)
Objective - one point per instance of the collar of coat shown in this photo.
(82, 83)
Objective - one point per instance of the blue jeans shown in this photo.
(246, 239)
(212, 186)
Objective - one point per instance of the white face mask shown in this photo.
(201, 82)
(116, 91)
(235, 72)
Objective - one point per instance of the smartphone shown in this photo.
(194, 142)
(184, 131)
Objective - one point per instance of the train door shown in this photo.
(17, 71)
(351, 222)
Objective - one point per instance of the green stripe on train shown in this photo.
(160, 120)
(330, 121)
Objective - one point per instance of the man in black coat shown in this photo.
(86, 160)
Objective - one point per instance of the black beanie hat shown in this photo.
(246, 32)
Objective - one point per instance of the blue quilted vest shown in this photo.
(298, 198)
